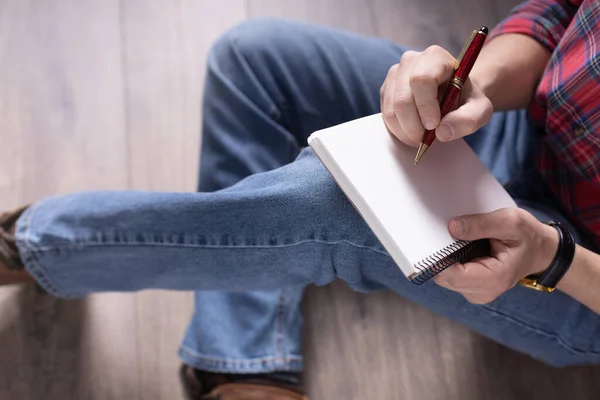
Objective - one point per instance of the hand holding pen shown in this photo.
(409, 96)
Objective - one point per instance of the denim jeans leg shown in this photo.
(287, 227)
(270, 84)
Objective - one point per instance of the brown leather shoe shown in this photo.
(250, 389)
(9, 277)
(11, 267)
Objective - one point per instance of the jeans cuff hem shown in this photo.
(28, 257)
(259, 365)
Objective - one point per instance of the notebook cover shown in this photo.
(407, 207)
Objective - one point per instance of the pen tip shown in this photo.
(484, 30)
(420, 152)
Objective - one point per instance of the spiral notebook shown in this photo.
(408, 207)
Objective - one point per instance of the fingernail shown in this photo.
(444, 132)
(429, 123)
(460, 227)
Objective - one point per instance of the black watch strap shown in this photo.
(563, 258)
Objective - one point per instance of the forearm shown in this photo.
(509, 69)
(582, 280)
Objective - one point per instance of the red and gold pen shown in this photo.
(462, 67)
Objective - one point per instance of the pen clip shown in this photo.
(464, 50)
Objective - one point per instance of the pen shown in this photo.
(463, 65)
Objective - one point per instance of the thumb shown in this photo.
(501, 224)
(468, 118)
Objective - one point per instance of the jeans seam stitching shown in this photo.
(28, 226)
(29, 254)
(542, 332)
(279, 323)
(44, 249)
(27, 231)
(258, 360)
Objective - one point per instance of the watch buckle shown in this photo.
(533, 284)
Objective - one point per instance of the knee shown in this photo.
(254, 39)
(315, 193)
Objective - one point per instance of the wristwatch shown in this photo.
(547, 280)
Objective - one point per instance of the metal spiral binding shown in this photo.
(458, 251)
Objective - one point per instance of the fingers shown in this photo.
(404, 101)
(477, 281)
(505, 224)
(410, 99)
(463, 277)
(387, 104)
(397, 104)
(434, 67)
(517, 249)
(468, 118)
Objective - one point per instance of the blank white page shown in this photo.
(407, 207)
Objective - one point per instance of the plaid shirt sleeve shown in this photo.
(543, 20)
(565, 103)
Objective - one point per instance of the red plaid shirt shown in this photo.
(567, 101)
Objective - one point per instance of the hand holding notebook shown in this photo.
(408, 207)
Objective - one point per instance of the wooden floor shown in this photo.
(105, 94)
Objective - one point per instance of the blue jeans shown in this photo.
(269, 218)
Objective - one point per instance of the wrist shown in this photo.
(484, 82)
(485, 75)
(546, 280)
(547, 245)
